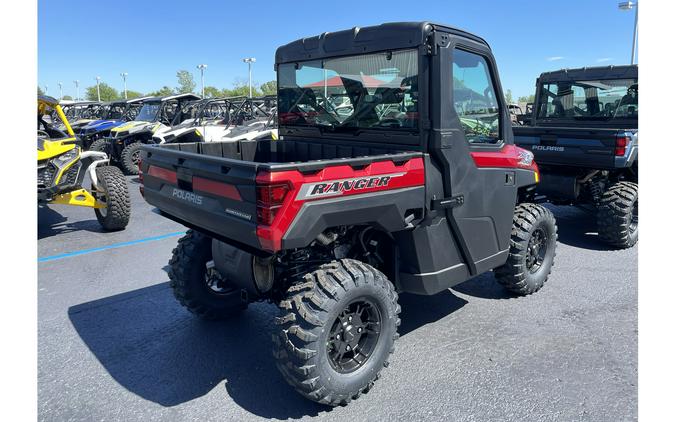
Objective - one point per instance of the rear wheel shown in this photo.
(337, 329)
(533, 241)
(131, 155)
(618, 215)
(114, 193)
(195, 282)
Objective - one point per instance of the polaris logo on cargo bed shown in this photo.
(548, 148)
(187, 196)
(340, 187)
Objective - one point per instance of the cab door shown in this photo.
(472, 119)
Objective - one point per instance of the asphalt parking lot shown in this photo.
(115, 345)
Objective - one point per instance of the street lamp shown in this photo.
(77, 89)
(628, 5)
(98, 90)
(60, 91)
(201, 67)
(46, 89)
(250, 61)
(124, 79)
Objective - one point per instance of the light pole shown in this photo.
(60, 91)
(628, 5)
(202, 67)
(46, 89)
(77, 89)
(124, 80)
(98, 90)
(250, 61)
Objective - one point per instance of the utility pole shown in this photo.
(124, 79)
(98, 90)
(202, 67)
(628, 5)
(250, 61)
(77, 89)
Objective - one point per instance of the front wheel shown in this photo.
(100, 145)
(130, 157)
(533, 240)
(114, 194)
(337, 329)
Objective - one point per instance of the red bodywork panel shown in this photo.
(339, 181)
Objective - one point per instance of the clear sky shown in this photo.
(151, 40)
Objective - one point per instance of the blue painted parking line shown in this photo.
(104, 248)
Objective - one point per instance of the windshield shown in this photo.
(370, 91)
(589, 100)
(148, 112)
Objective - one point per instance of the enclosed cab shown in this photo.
(394, 171)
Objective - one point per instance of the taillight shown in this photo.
(270, 199)
(621, 144)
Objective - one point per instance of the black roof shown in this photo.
(188, 96)
(387, 36)
(596, 72)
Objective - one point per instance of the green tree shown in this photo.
(186, 82)
(212, 92)
(40, 91)
(162, 92)
(526, 99)
(240, 89)
(269, 88)
(509, 96)
(133, 94)
(108, 93)
(67, 97)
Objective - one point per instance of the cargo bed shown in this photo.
(221, 187)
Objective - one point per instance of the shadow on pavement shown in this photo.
(577, 227)
(417, 311)
(51, 223)
(484, 286)
(156, 349)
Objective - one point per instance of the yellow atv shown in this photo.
(62, 166)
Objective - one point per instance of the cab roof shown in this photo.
(188, 96)
(368, 39)
(595, 72)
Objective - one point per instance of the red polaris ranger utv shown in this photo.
(394, 171)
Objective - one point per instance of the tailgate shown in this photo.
(206, 192)
(592, 148)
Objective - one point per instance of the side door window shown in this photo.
(474, 98)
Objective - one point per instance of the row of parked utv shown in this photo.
(119, 128)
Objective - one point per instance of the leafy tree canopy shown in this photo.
(108, 93)
(162, 92)
(186, 82)
(269, 88)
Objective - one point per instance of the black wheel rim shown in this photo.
(633, 218)
(215, 283)
(536, 250)
(354, 336)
